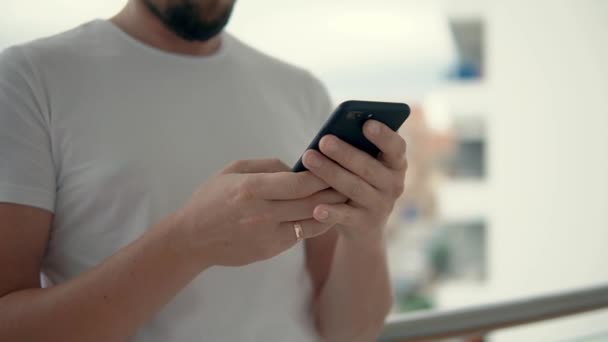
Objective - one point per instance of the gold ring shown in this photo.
(297, 228)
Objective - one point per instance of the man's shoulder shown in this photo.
(294, 83)
(266, 63)
(59, 48)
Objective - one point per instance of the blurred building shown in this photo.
(542, 100)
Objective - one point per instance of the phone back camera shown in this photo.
(354, 115)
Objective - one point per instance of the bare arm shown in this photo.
(233, 220)
(353, 295)
(106, 303)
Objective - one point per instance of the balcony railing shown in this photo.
(482, 319)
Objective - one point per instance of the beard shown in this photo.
(190, 19)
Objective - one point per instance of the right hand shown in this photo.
(246, 213)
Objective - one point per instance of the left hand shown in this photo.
(371, 185)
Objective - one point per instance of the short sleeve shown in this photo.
(321, 102)
(27, 172)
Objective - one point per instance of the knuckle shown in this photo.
(255, 219)
(246, 190)
(298, 184)
(401, 146)
(311, 202)
(342, 217)
(335, 197)
(354, 190)
(398, 188)
(367, 172)
(399, 163)
(229, 168)
(290, 189)
(277, 164)
(348, 156)
(236, 165)
(323, 196)
(389, 204)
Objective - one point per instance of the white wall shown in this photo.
(548, 156)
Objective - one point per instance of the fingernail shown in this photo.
(322, 214)
(330, 144)
(313, 160)
(373, 128)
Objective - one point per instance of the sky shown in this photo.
(382, 49)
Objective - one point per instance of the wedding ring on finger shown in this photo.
(297, 228)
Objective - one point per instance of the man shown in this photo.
(106, 131)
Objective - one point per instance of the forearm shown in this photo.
(356, 296)
(108, 302)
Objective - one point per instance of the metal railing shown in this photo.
(481, 319)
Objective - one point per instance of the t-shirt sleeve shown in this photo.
(323, 106)
(27, 173)
(321, 102)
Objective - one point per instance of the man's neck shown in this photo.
(138, 22)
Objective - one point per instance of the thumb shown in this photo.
(256, 166)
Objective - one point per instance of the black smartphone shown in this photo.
(347, 121)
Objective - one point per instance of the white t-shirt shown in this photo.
(112, 135)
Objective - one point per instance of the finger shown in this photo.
(301, 209)
(255, 166)
(357, 161)
(342, 180)
(310, 228)
(390, 143)
(285, 185)
(342, 214)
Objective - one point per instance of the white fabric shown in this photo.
(112, 135)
